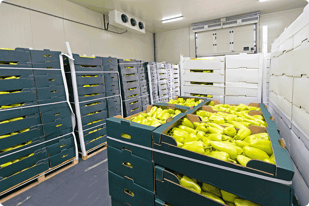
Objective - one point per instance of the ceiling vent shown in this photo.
(122, 20)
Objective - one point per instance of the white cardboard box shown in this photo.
(243, 89)
(274, 65)
(301, 60)
(210, 63)
(216, 76)
(241, 99)
(213, 90)
(285, 87)
(300, 119)
(274, 84)
(244, 75)
(285, 110)
(299, 154)
(273, 98)
(285, 64)
(243, 60)
(300, 187)
(301, 92)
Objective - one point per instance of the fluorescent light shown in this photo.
(265, 39)
(172, 19)
(262, 0)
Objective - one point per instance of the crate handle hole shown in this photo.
(129, 192)
(63, 145)
(59, 125)
(51, 80)
(126, 136)
(64, 156)
(127, 164)
(57, 114)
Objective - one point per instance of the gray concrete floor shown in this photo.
(85, 184)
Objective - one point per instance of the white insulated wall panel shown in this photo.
(274, 65)
(285, 131)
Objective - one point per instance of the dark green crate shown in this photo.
(116, 127)
(248, 187)
(110, 67)
(169, 190)
(22, 151)
(51, 94)
(27, 96)
(43, 56)
(38, 155)
(61, 157)
(29, 121)
(12, 181)
(91, 134)
(52, 68)
(86, 78)
(109, 61)
(86, 61)
(53, 138)
(80, 68)
(19, 55)
(111, 78)
(87, 119)
(120, 186)
(114, 111)
(86, 108)
(113, 101)
(112, 93)
(25, 80)
(92, 144)
(57, 125)
(35, 131)
(141, 170)
(48, 80)
(112, 86)
(62, 144)
(58, 113)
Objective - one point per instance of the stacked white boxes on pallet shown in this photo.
(175, 81)
(289, 97)
(203, 77)
(243, 78)
(169, 79)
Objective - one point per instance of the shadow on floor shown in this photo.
(85, 184)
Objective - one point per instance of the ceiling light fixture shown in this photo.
(172, 19)
(262, 0)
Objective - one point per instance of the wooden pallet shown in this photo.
(92, 152)
(36, 180)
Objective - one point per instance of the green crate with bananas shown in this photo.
(132, 128)
(252, 151)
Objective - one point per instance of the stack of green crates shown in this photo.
(162, 79)
(130, 86)
(138, 176)
(91, 90)
(143, 75)
(35, 118)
